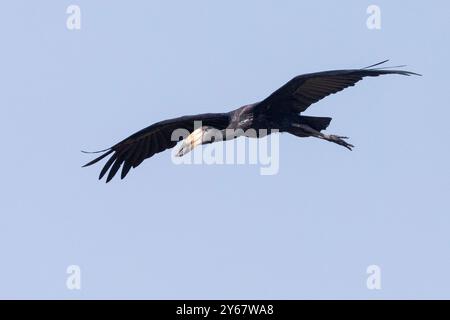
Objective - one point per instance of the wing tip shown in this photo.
(376, 64)
(402, 72)
(98, 151)
(90, 163)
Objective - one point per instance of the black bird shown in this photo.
(280, 111)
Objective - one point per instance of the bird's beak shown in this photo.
(190, 142)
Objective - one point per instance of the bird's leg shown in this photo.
(329, 137)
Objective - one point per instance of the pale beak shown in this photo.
(191, 141)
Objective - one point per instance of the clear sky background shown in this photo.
(170, 231)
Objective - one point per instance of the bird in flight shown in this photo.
(280, 112)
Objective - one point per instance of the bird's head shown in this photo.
(198, 137)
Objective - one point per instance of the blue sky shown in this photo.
(170, 231)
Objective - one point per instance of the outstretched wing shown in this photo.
(304, 90)
(156, 138)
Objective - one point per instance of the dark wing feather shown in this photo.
(304, 90)
(145, 143)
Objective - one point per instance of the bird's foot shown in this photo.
(340, 140)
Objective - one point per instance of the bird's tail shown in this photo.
(317, 123)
